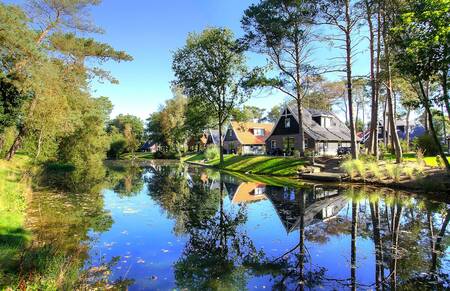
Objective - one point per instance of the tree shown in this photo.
(421, 37)
(273, 114)
(341, 15)
(131, 127)
(11, 101)
(248, 114)
(385, 8)
(173, 118)
(211, 69)
(409, 100)
(52, 65)
(153, 128)
(282, 30)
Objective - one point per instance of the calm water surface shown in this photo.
(168, 226)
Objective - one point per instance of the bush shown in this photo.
(212, 153)
(117, 148)
(409, 171)
(349, 167)
(427, 145)
(360, 168)
(382, 150)
(394, 171)
(375, 170)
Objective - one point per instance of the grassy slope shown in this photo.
(13, 191)
(258, 165)
(411, 157)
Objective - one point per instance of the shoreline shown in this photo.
(426, 185)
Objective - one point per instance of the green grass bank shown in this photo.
(14, 192)
(257, 165)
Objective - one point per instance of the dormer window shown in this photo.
(287, 122)
(258, 131)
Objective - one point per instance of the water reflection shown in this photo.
(200, 229)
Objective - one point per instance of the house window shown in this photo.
(288, 143)
(230, 133)
(259, 190)
(287, 122)
(258, 131)
(273, 144)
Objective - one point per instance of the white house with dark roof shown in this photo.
(324, 132)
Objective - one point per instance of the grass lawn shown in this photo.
(258, 165)
(139, 156)
(411, 157)
(13, 191)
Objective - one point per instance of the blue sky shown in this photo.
(151, 30)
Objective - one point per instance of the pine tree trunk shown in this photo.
(2, 141)
(374, 113)
(389, 99)
(445, 91)
(17, 143)
(408, 112)
(348, 44)
(220, 142)
(301, 132)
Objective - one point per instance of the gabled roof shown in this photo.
(245, 193)
(244, 134)
(337, 131)
(214, 134)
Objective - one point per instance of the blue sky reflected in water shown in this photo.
(161, 234)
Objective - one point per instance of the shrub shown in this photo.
(367, 158)
(360, 168)
(117, 148)
(349, 168)
(404, 145)
(375, 170)
(420, 157)
(212, 152)
(440, 162)
(382, 150)
(409, 171)
(427, 145)
(394, 171)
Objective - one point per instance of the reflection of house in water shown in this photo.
(243, 192)
(246, 192)
(320, 204)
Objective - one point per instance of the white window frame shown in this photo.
(258, 131)
(287, 122)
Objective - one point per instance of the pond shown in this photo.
(168, 226)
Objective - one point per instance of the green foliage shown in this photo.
(212, 153)
(51, 70)
(374, 169)
(116, 148)
(349, 167)
(354, 168)
(211, 70)
(394, 171)
(427, 144)
(11, 101)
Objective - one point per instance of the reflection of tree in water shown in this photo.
(409, 235)
(217, 252)
(61, 224)
(126, 179)
(398, 224)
